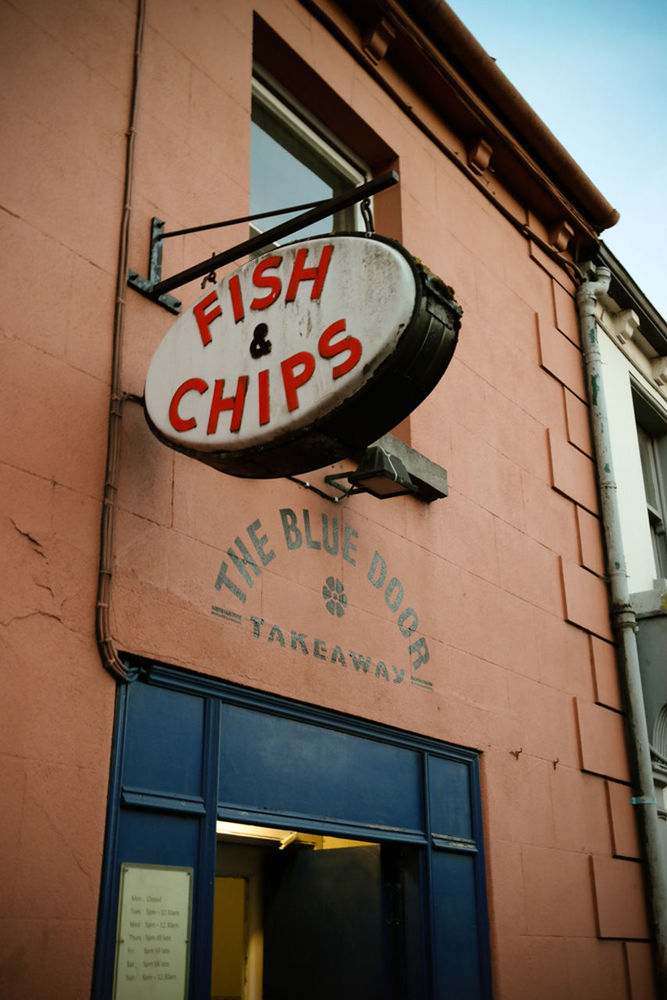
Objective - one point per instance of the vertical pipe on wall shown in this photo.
(108, 651)
(624, 619)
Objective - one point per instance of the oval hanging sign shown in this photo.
(302, 357)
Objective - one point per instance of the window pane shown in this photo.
(292, 163)
(648, 468)
(278, 179)
(650, 455)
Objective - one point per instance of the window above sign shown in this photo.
(294, 160)
(652, 441)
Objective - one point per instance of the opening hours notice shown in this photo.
(153, 937)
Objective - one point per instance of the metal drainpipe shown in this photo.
(624, 621)
(105, 642)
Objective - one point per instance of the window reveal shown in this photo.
(293, 160)
(652, 442)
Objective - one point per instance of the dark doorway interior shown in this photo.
(301, 915)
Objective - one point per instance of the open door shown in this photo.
(299, 916)
(323, 925)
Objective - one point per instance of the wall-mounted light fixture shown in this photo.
(381, 474)
(390, 468)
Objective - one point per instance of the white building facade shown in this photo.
(633, 348)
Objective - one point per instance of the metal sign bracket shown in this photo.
(145, 286)
(156, 288)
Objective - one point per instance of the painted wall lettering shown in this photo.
(407, 621)
(323, 649)
(295, 534)
(243, 561)
(252, 551)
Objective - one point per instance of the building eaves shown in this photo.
(627, 294)
(433, 51)
(480, 69)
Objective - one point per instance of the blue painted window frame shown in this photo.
(171, 820)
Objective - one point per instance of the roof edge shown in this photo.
(454, 39)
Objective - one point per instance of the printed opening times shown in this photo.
(149, 945)
(151, 956)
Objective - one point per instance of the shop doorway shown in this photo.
(328, 856)
(296, 913)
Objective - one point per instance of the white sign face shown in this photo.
(152, 947)
(279, 344)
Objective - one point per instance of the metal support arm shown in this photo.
(156, 288)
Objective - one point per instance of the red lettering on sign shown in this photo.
(261, 280)
(291, 380)
(234, 403)
(328, 349)
(205, 319)
(175, 419)
(237, 300)
(264, 397)
(315, 274)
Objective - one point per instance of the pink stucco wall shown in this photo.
(503, 575)
(65, 84)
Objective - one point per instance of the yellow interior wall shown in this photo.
(229, 923)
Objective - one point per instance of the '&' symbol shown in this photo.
(259, 345)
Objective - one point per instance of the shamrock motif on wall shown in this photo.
(335, 598)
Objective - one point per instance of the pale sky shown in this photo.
(596, 73)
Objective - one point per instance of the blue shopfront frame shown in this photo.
(189, 750)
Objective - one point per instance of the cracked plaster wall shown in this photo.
(504, 573)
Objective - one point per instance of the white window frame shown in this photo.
(652, 427)
(310, 132)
